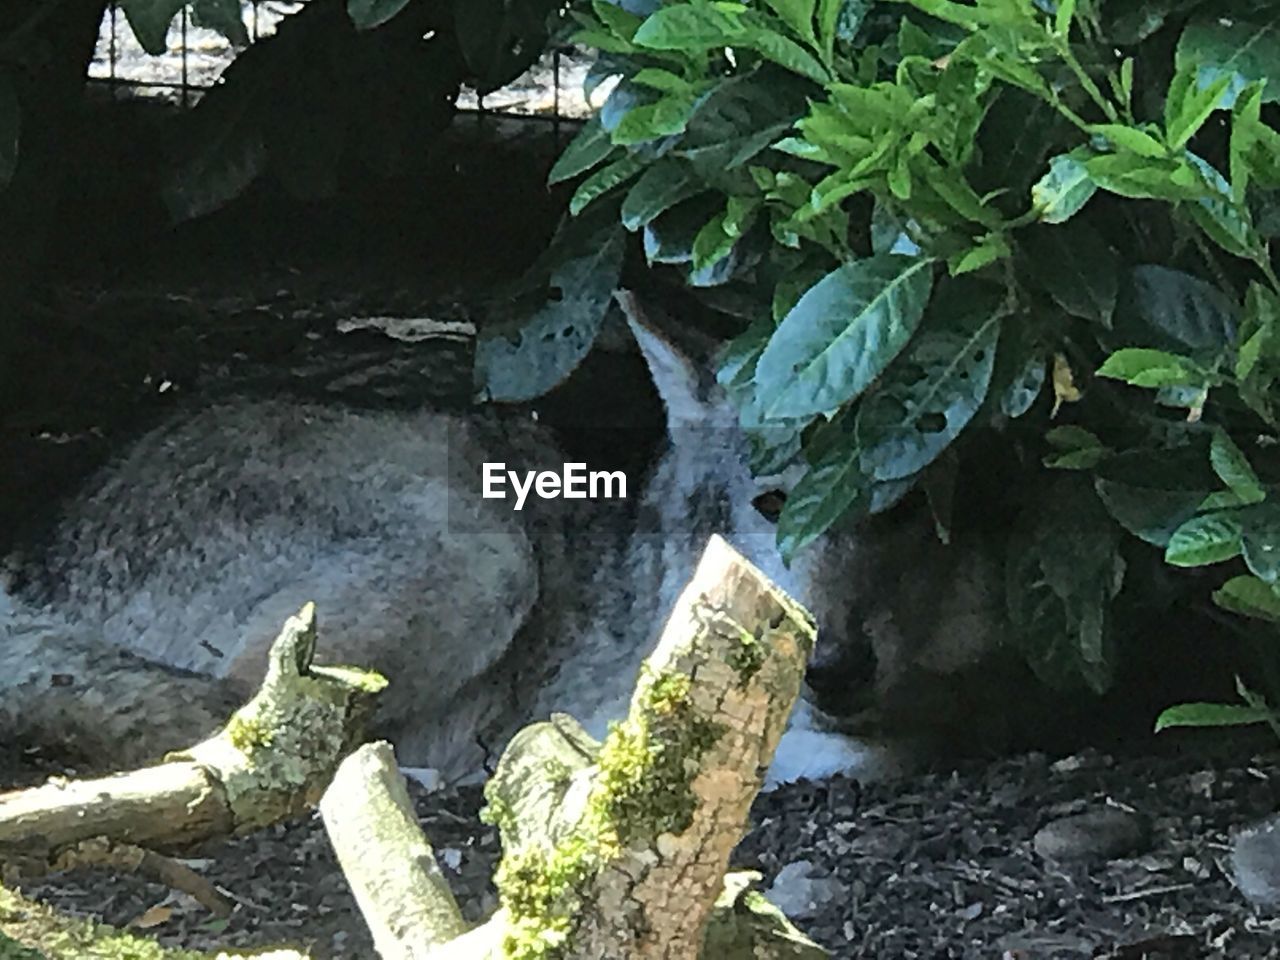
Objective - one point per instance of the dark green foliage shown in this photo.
(963, 216)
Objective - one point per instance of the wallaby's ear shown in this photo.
(674, 375)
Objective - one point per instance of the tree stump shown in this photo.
(620, 849)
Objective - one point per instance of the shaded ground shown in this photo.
(937, 866)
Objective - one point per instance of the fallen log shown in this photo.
(401, 891)
(618, 849)
(272, 760)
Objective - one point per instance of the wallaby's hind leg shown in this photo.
(428, 629)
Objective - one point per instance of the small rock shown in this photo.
(1085, 760)
(1103, 834)
(799, 895)
(1255, 862)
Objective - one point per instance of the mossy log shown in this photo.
(621, 849)
(272, 760)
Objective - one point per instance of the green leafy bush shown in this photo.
(938, 218)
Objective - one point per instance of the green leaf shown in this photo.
(367, 14)
(1077, 268)
(842, 334)
(1246, 127)
(1022, 389)
(1249, 596)
(589, 147)
(1234, 51)
(786, 53)
(929, 395)
(712, 243)
(1227, 222)
(661, 187)
(1203, 540)
(691, 27)
(1260, 540)
(1063, 16)
(740, 118)
(1078, 449)
(669, 238)
(1211, 715)
(1152, 368)
(1186, 310)
(621, 23)
(10, 129)
(584, 266)
(1233, 468)
(796, 14)
(663, 80)
(1061, 193)
(830, 488)
(1063, 569)
(1257, 330)
(1188, 105)
(651, 121)
(1141, 178)
(1131, 139)
(150, 19)
(993, 247)
(839, 20)
(604, 180)
(1149, 513)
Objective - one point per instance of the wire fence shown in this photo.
(196, 56)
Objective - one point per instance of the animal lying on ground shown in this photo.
(167, 577)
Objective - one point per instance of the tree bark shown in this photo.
(404, 897)
(272, 760)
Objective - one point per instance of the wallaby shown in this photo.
(182, 559)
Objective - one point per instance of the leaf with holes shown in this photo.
(550, 344)
(932, 392)
(842, 334)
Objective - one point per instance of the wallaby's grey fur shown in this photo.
(192, 549)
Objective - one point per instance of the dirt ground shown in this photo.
(942, 865)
